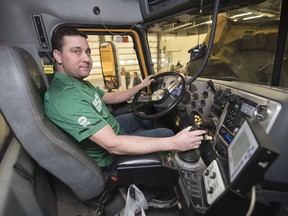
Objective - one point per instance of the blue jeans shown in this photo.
(132, 125)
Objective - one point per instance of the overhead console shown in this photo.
(160, 9)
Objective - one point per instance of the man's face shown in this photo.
(75, 59)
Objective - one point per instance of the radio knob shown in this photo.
(210, 190)
(212, 175)
(206, 172)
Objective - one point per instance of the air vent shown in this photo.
(158, 4)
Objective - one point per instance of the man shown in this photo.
(136, 79)
(127, 76)
(79, 108)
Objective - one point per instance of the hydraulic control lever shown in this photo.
(194, 119)
(192, 156)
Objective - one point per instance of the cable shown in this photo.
(112, 33)
(200, 20)
(210, 43)
(252, 202)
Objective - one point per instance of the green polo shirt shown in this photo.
(78, 108)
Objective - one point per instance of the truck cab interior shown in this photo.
(234, 85)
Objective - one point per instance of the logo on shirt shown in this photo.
(97, 103)
(83, 121)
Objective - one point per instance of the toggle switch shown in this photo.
(207, 137)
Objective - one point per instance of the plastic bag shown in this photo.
(136, 202)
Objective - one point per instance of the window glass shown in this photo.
(128, 67)
(243, 50)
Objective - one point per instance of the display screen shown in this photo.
(241, 150)
(247, 109)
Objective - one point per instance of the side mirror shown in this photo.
(109, 65)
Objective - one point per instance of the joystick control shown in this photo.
(191, 168)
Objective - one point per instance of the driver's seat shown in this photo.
(21, 92)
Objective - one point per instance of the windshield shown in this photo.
(244, 45)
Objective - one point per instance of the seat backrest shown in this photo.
(21, 101)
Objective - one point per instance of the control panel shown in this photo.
(213, 182)
(234, 147)
(238, 109)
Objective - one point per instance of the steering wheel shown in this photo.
(164, 98)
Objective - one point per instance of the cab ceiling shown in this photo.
(17, 26)
(111, 11)
(17, 14)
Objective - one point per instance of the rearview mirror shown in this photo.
(109, 64)
(197, 52)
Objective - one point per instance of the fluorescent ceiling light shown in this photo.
(177, 27)
(191, 25)
(253, 17)
(240, 15)
(203, 23)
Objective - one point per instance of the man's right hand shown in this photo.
(187, 140)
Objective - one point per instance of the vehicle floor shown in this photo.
(69, 205)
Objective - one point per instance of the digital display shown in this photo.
(247, 109)
(241, 150)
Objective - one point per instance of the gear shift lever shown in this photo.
(192, 158)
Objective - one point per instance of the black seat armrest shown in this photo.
(124, 161)
(150, 170)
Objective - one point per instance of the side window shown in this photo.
(128, 66)
(5, 135)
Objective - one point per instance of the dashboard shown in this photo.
(241, 149)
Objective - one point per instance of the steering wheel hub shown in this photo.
(158, 95)
(162, 98)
